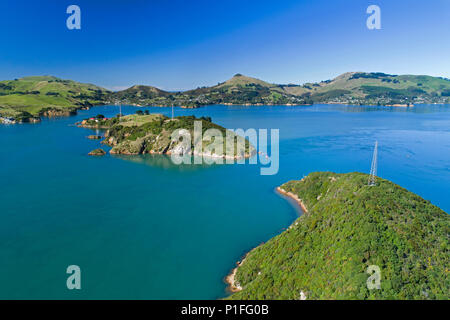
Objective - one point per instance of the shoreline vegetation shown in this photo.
(29, 99)
(230, 279)
(349, 226)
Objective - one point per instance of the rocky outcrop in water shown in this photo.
(94, 137)
(97, 152)
(58, 112)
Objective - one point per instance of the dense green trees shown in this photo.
(348, 227)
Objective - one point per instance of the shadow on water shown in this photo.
(165, 162)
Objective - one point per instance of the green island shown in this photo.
(349, 226)
(27, 99)
(145, 133)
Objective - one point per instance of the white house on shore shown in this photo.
(7, 120)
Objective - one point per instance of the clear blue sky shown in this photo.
(185, 44)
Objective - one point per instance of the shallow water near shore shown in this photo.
(141, 227)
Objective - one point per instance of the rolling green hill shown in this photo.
(348, 227)
(31, 97)
(140, 93)
(237, 90)
(380, 89)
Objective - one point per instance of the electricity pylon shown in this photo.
(120, 109)
(373, 169)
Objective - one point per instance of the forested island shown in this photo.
(145, 133)
(347, 227)
(30, 98)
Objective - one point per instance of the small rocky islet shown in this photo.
(97, 152)
(94, 137)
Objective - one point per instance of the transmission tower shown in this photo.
(373, 169)
(117, 103)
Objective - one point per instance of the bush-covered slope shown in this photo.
(348, 227)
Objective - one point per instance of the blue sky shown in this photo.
(185, 44)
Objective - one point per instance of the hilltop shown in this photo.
(29, 98)
(141, 93)
(349, 226)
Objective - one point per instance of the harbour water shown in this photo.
(141, 227)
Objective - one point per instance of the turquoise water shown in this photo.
(143, 228)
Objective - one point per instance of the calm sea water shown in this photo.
(143, 228)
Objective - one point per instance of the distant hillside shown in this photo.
(237, 90)
(31, 97)
(348, 227)
(358, 88)
(140, 93)
(380, 89)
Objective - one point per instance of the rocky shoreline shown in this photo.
(58, 112)
(230, 279)
(50, 112)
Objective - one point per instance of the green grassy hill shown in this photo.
(32, 97)
(380, 88)
(348, 227)
(237, 90)
(240, 80)
(241, 89)
(141, 94)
